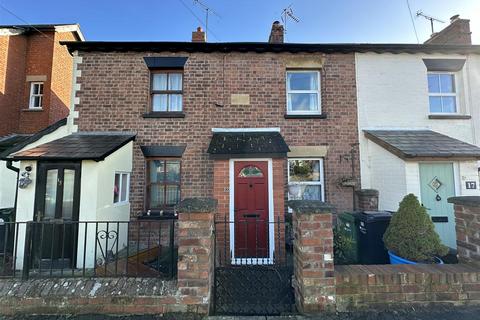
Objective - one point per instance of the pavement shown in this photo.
(410, 313)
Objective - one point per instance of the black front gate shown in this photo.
(250, 280)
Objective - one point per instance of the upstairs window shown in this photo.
(166, 91)
(163, 184)
(36, 95)
(303, 92)
(442, 92)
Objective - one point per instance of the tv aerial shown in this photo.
(208, 10)
(287, 13)
(430, 18)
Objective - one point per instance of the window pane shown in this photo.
(159, 102)
(449, 105)
(433, 83)
(435, 104)
(302, 81)
(302, 102)
(116, 188)
(447, 84)
(123, 192)
(175, 102)
(250, 171)
(156, 196)
(159, 81)
(51, 193)
(304, 170)
(40, 88)
(173, 171)
(175, 81)
(173, 195)
(156, 171)
(68, 186)
(304, 192)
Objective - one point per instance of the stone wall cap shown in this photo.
(367, 192)
(197, 205)
(466, 200)
(309, 206)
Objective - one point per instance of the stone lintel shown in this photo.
(473, 201)
(197, 205)
(309, 206)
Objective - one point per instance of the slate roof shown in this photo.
(261, 47)
(78, 146)
(410, 144)
(247, 143)
(32, 138)
(7, 142)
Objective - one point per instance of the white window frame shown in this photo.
(316, 183)
(127, 194)
(442, 94)
(318, 92)
(32, 95)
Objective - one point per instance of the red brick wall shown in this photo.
(34, 55)
(115, 93)
(12, 78)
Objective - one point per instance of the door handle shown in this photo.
(251, 215)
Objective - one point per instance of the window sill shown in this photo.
(32, 110)
(164, 115)
(305, 116)
(449, 116)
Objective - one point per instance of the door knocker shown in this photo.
(438, 198)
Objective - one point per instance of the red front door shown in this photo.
(251, 209)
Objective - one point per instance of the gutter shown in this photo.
(17, 170)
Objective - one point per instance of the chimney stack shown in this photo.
(199, 35)
(457, 32)
(277, 33)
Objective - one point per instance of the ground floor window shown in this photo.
(305, 179)
(120, 187)
(163, 184)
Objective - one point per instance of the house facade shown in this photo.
(418, 122)
(35, 76)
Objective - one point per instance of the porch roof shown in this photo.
(78, 146)
(247, 144)
(413, 144)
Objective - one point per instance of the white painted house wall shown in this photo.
(96, 202)
(8, 178)
(392, 93)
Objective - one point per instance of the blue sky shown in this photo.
(245, 20)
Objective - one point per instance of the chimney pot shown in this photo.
(277, 33)
(453, 18)
(199, 35)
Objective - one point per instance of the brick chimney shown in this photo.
(457, 32)
(276, 35)
(199, 35)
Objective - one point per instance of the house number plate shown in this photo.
(471, 184)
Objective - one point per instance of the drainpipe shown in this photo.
(17, 170)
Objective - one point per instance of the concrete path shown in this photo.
(426, 313)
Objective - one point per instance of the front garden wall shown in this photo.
(381, 286)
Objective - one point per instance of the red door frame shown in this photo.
(251, 210)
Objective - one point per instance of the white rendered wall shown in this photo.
(392, 93)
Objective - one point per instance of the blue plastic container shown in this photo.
(394, 259)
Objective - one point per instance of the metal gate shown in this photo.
(253, 277)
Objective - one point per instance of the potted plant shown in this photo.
(411, 237)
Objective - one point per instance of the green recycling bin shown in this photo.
(348, 223)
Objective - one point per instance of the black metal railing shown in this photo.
(140, 248)
(253, 241)
(253, 267)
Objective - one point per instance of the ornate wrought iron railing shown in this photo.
(140, 248)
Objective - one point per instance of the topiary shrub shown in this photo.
(411, 233)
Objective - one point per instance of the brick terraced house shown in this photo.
(222, 134)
